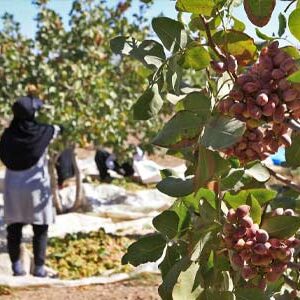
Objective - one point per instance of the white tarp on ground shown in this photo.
(30, 281)
(112, 208)
(111, 201)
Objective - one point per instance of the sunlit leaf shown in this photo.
(263, 36)
(295, 77)
(196, 58)
(294, 23)
(203, 7)
(237, 43)
(255, 211)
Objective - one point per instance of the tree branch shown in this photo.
(213, 45)
(294, 125)
(293, 265)
(292, 2)
(284, 180)
(290, 282)
(210, 40)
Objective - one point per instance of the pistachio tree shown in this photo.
(84, 86)
(228, 234)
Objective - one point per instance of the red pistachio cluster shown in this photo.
(263, 96)
(252, 251)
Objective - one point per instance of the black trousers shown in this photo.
(39, 242)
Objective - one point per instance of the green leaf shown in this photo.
(281, 226)
(231, 179)
(250, 294)
(147, 249)
(196, 23)
(238, 25)
(222, 132)
(294, 23)
(167, 223)
(261, 195)
(263, 36)
(196, 58)
(183, 213)
(172, 256)
(255, 211)
(149, 52)
(210, 166)
(171, 33)
(258, 172)
(216, 295)
(208, 196)
(259, 12)
(295, 77)
(196, 102)
(282, 24)
(175, 187)
(291, 51)
(174, 75)
(287, 199)
(292, 153)
(239, 44)
(187, 286)
(191, 202)
(180, 132)
(148, 105)
(166, 288)
(203, 7)
(204, 240)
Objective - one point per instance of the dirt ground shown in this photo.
(127, 290)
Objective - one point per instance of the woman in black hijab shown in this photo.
(27, 191)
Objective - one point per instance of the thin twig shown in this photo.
(210, 40)
(294, 265)
(292, 2)
(294, 125)
(213, 45)
(284, 180)
(290, 282)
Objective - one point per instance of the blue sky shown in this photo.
(25, 12)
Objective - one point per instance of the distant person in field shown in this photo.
(27, 191)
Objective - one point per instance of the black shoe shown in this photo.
(17, 269)
(19, 273)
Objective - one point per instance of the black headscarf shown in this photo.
(25, 140)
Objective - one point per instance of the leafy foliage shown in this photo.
(200, 261)
(77, 76)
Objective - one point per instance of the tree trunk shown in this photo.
(80, 200)
(54, 186)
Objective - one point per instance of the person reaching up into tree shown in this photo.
(27, 191)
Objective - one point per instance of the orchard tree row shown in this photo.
(232, 233)
(85, 87)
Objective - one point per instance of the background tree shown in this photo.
(228, 235)
(84, 86)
